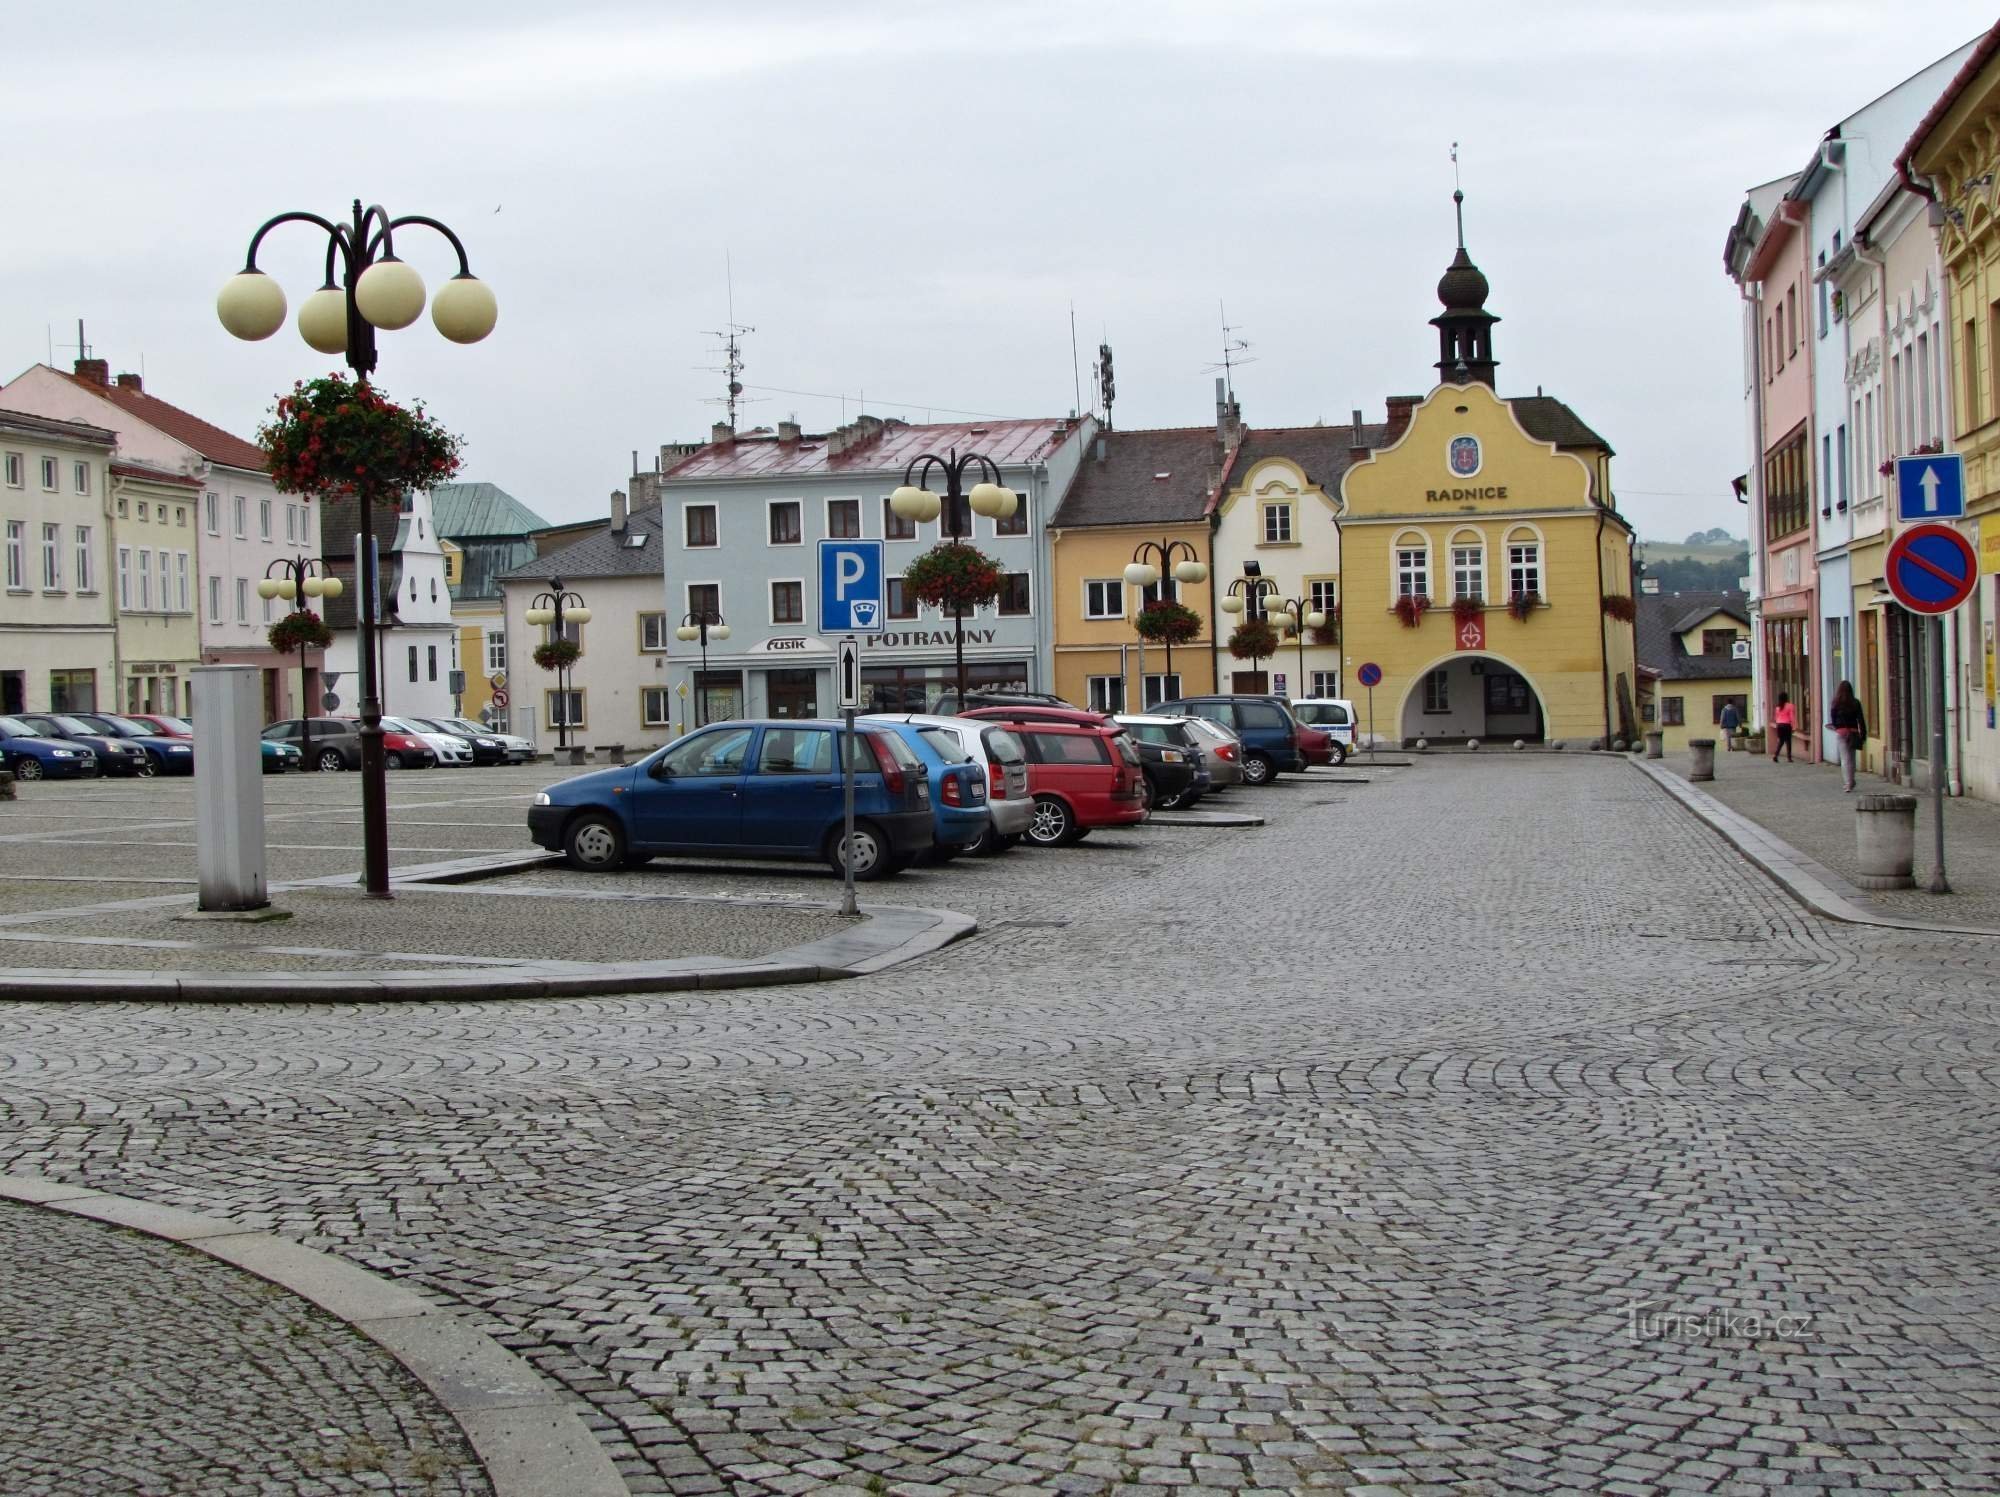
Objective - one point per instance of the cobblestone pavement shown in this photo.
(1492, 1127)
(132, 1365)
(1804, 804)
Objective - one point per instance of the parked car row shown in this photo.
(1005, 769)
(407, 742)
(75, 745)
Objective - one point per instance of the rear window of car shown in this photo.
(901, 752)
(1004, 746)
(946, 743)
(1220, 712)
(1323, 714)
(1153, 732)
(1068, 748)
(1260, 715)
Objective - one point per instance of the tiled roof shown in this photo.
(1663, 617)
(1547, 419)
(1324, 452)
(212, 442)
(154, 475)
(49, 426)
(893, 446)
(463, 509)
(601, 554)
(1144, 477)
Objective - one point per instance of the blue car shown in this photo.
(33, 757)
(958, 787)
(114, 754)
(757, 789)
(169, 755)
(1269, 733)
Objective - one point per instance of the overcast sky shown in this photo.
(913, 196)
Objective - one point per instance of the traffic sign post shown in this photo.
(1931, 569)
(1370, 676)
(851, 587)
(1931, 487)
(847, 674)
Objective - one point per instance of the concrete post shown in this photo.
(1701, 758)
(229, 787)
(1885, 840)
(1656, 745)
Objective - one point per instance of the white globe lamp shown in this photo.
(1190, 571)
(464, 309)
(251, 305)
(390, 294)
(987, 499)
(718, 631)
(1142, 574)
(1232, 604)
(577, 615)
(323, 320)
(687, 633)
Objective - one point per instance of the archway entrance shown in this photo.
(1473, 696)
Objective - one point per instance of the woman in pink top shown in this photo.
(1785, 720)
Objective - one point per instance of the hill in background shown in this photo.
(1709, 560)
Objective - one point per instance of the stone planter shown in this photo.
(576, 755)
(1701, 758)
(614, 753)
(1656, 745)
(1885, 841)
(1752, 743)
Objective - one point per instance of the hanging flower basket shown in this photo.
(1329, 632)
(1523, 604)
(304, 630)
(1410, 609)
(1253, 640)
(333, 435)
(953, 577)
(557, 654)
(1618, 606)
(1168, 623)
(1467, 610)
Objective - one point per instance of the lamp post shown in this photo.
(1258, 592)
(375, 291)
(1298, 615)
(1152, 560)
(703, 624)
(299, 578)
(557, 607)
(990, 497)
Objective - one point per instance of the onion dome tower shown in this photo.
(1465, 327)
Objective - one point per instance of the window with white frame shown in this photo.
(79, 477)
(211, 506)
(1468, 570)
(49, 475)
(564, 708)
(788, 603)
(242, 600)
(1104, 598)
(268, 603)
(242, 512)
(656, 707)
(215, 600)
(1413, 571)
(413, 664)
(17, 560)
(786, 528)
(653, 632)
(1014, 598)
(291, 522)
(1437, 691)
(496, 652)
(843, 518)
(1017, 522)
(1324, 684)
(1106, 693)
(1277, 524)
(705, 601)
(698, 525)
(85, 581)
(1524, 568)
(1325, 596)
(263, 519)
(144, 562)
(902, 603)
(17, 470)
(51, 558)
(895, 527)
(125, 577)
(145, 512)
(181, 582)
(1163, 689)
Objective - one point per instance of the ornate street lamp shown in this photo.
(1298, 615)
(558, 607)
(1152, 560)
(703, 624)
(989, 497)
(374, 291)
(1260, 593)
(299, 578)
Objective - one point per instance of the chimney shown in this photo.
(722, 431)
(1221, 413)
(1400, 407)
(617, 511)
(788, 431)
(131, 382)
(1357, 442)
(1102, 447)
(94, 371)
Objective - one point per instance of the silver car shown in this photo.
(1221, 749)
(1009, 807)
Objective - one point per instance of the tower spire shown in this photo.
(1465, 327)
(1457, 195)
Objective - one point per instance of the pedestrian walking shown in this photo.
(1850, 727)
(1786, 721)
(1732, 724)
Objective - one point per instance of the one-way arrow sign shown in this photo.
(1931, 487)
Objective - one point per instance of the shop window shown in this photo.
(72, 691)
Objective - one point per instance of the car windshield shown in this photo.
(13, 727)
(72, 726)
(176, 726)
(946, 743)
(126, 726)
(459, 724)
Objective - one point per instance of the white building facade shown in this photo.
(58, 640)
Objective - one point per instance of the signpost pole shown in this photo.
(1371, 725)
(849, 685)
(1938, 883)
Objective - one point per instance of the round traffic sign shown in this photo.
(1369, 674)
(500, 698)
(1931, 569)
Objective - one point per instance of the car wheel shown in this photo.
(1339, 755)
(1258, 770)
(27, 769)
(1053, 824)
(330, 760)
(392, 760)
(1176, 802)
(873, 857)
(595, 843)
(147, 768)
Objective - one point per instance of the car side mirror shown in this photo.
(660, 770)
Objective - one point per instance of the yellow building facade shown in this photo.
(1468, 505)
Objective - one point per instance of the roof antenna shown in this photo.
(1107, 389)
(1233, 348)
(1457, 195)
(1075, 368)
(731, 367)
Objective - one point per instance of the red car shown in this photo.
(1081, 775)
(166, 727)
(1316, 744)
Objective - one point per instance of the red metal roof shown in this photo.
(891, 449)
(212, 442)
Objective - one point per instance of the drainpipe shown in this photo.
(1045, 620)
(1753, 298)
(1603, 639)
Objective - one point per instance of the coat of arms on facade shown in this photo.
(1464, 456)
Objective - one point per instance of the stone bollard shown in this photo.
(1423, 746)
(1701, 758)
(1656, 745)
(1472, 744)
(614, 753)
(577, 754)
(1520, 743)
(1885, 840)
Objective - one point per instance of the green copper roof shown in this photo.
(468, 509)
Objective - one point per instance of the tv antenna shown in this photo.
(1233, 351)
(1107, 387)
(731, 336)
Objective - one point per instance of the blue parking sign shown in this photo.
(851, 587)
(1930, 487)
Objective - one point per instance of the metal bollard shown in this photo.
(1885, 840)
(1701, 758)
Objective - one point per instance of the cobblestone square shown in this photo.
(1491, 1126)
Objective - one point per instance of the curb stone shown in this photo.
(526, 1434)
(1810, 882)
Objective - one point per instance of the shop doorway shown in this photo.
(1250, 683)
(793, 693)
